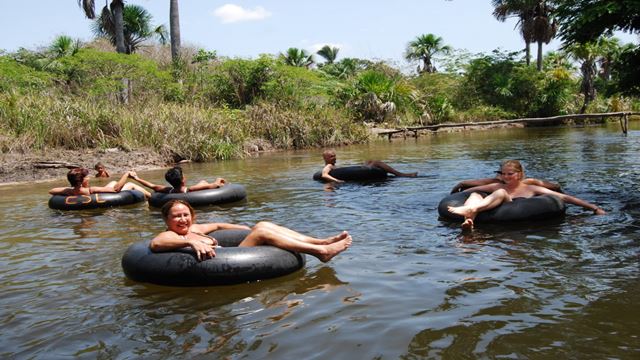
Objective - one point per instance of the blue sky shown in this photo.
(369, 29)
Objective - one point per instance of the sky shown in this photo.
(368, 29)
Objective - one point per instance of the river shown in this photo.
(411, 286)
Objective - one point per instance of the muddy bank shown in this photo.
(54, 163)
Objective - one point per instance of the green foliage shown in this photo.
(439, 91)
(295, 87)
(236, 82)
(204, 56)
(19, 78)
(498, 80)
(297, 57)
(346, 67)
(378, 94)
(100, 74)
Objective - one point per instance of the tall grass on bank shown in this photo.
(180, 131)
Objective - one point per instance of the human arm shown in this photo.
(325, 174)
(203, 185)
(111, 189)
(150, 185)
(59, 191)
(547, 184)
(466, 184)
(207, 228)
(169, 240)
(539, 190)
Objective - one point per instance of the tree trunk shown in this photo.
(174, 24)
(527, 50)
(117, 8)
(539, 60)
(588, 89)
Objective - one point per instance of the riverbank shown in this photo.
(54, 164)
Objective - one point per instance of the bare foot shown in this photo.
(334, 249)
(330, 240)
(461, 210)
(467, 224)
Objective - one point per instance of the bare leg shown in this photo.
(389, 169)
(265, 233)
(475, 204)
(132, 186)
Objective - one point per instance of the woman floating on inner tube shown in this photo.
(510, 189)
(79, 180)
(182, 232)
(329, 157)
(177, 180)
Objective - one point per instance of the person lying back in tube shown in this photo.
(176, 179)
(330, 157)
(79, 180)
(511, 188)
(182, 231)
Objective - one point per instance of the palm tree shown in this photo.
(329, 53)
(544, 27)
(63, 45)
(423, 48)
(137, 28)
(174, 26)
(587, 54)
(297, 57)
(115, 13)
(522, 9)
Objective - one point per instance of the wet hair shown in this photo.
(76, 176)
(174, 177)
(514, 164)
(171, 203)
(98, 165)
(327, 153)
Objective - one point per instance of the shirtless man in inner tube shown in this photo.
(330, 157)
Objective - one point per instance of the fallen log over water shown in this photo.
(624, 122)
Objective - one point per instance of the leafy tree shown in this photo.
(587, 54)
(137, 28)
(297, 57)
(115, 12)
(64, 46)
(174, 26)
(346, 67)
(504, 9)
(329, 53)
(423, 48)
(534, 19)
(584, 21)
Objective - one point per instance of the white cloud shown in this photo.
(230, 13)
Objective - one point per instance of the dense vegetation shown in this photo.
(204, 107)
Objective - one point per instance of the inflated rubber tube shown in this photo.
(223, 195)
(354, 173)
(96, 200)
(231, 265)
(533, 208)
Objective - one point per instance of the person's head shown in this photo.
(77, 176)
(511, 168)
(99, 167)
(178, 213)
(174, 177)
(329, 156)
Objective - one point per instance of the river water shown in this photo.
(411, 286)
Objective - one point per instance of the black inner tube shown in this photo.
(354, 173)
(95, 200)
(231, 265)
(226, 194)
(533, 208)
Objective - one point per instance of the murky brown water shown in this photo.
(410, 287)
